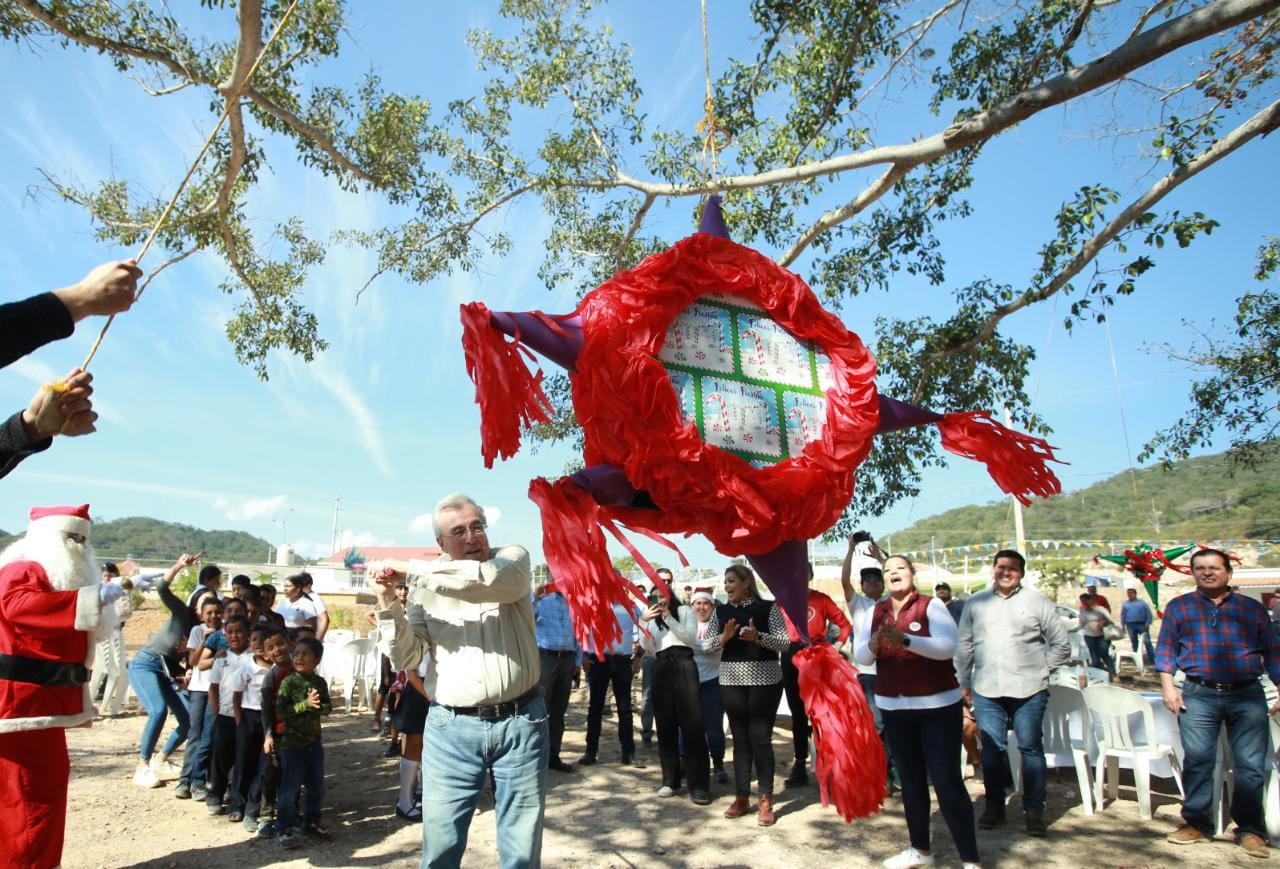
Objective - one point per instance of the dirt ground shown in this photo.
(607, 815)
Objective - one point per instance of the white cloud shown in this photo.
(421, 524)
(347, 539)
(122, 485)
(337, 384)
(492, 515)
(251, 508)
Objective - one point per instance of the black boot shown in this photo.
(799, 774)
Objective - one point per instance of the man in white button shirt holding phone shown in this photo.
(487, 713)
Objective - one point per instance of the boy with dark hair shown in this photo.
(272, 727)
(222, 743)
(247, 708)
(195, 760)
(303, 697)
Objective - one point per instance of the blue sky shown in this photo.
(386, 419)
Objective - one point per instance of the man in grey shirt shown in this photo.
(1010, 639)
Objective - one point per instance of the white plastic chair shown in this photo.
(1112, 707)
(1068, 677)
(1097, 676)
(340, 636)
(1078, 651)
(1137, 656)
(1060, 749)
(353, 664)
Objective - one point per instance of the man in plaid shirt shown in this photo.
(1222, 641)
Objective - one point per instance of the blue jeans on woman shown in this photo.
(458, 751)
(158, 695)
(1026, 714)
(1245, 714)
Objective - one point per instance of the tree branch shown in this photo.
(925, 26)
(308, 132)
(57, 25)
(1260, 124)
(632, 230)
(882, 185)
(462, 226)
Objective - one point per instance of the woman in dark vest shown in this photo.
(751, 633)
(910, 637)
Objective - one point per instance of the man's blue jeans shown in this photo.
(457, 752)
(1100, 654)
(159, 697)
(1245, 714)
(1141, 629)
(195, 763)
(994, 715)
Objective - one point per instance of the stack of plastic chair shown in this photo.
(1112, 707)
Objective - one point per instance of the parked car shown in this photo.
(1070, 616)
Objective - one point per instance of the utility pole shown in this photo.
(933, 555)
(333, 541)
(1155, 517)
(1020, 543)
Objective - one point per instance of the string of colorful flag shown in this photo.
(979, 549)
(1259, 546)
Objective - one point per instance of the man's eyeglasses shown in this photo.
(474, 529)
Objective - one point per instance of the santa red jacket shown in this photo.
(46, 640)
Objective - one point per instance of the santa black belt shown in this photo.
(35, 671)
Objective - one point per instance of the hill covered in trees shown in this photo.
(147, 539)
(1196, 499)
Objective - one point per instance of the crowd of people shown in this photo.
(239, 678)
(491, 661)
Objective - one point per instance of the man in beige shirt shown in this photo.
(476, 630)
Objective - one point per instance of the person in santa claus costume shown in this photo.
(53, 610)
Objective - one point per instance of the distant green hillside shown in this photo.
(1193, 500)
(147, 539)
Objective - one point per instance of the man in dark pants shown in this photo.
(561, 657)
(611, 667)
(1223, 642)
(822, 613)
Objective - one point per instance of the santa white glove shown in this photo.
(109, 593)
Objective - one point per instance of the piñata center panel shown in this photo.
(746, 383)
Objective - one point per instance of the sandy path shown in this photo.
(607, 816)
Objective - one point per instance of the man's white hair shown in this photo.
(456, 501)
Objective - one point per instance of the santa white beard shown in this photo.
(68, 564)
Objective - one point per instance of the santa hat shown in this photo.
(68, 520)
